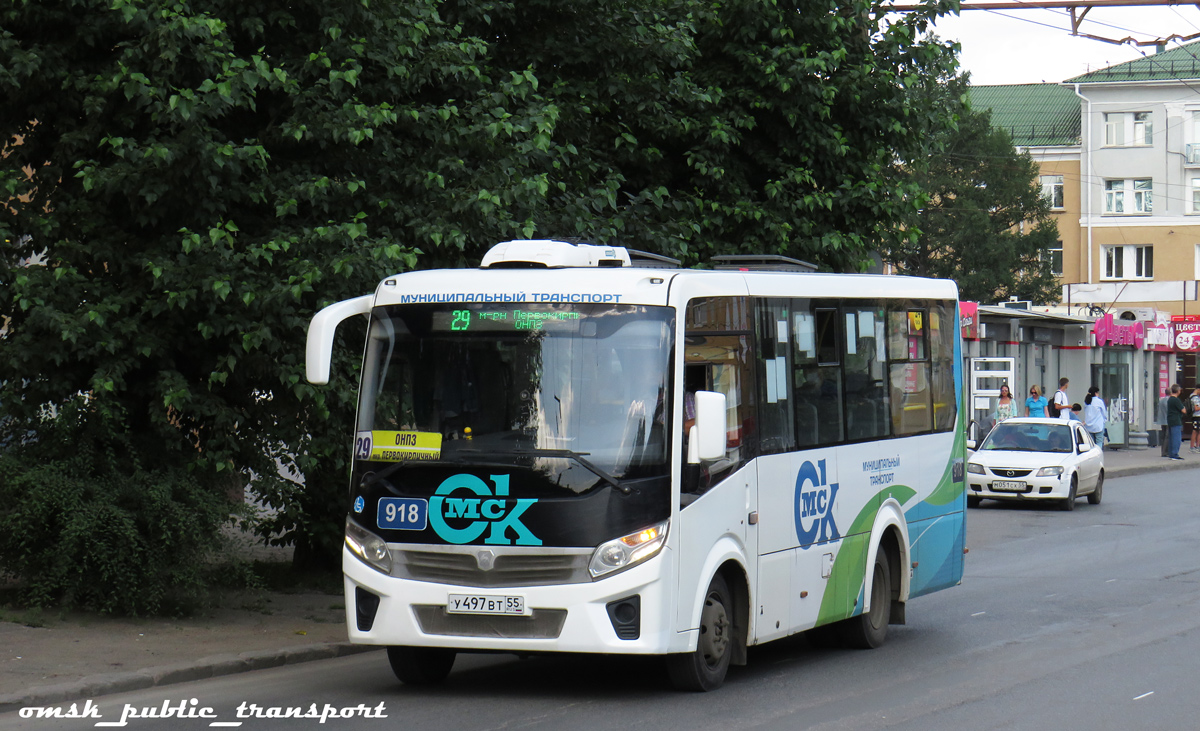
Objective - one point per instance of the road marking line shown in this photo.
(1143, 695)
(978, 614)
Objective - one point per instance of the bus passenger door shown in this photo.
(775, 547)
(718, 497)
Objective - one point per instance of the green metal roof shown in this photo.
(1180, 63)
(1033, 114)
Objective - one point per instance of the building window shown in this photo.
(1195, 195)
(1128, 128)
(1129, 196)
(1052, 190)
(1128, 262)
(1055, 254)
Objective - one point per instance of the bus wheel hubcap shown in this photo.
(714, 630)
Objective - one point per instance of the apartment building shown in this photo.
(1119, 156)
(1044, 120)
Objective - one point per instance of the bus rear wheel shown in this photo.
(420, 665)
(869, 629)
(705, 668)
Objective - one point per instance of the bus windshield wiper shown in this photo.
(577, 457)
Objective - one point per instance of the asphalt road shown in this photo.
(1081, 620)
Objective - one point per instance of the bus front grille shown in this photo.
(491, 567)
(542, 624)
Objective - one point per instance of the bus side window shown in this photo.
(942, 333)
(775, 383)
(909, 368)
(867, 413)
(817, 374)
(718, 356)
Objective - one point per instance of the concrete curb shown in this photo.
(1167, 466)
(94, 686)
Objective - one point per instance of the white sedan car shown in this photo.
(1036, 459)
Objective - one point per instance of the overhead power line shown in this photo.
(1078, 10)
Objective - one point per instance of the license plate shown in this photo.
(1008, 486)
(482, 604)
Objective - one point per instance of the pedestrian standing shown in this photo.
(1160, 418)
(1036, 404)
(1095, 415)
(1175, 414)
(1062, 404)
(1006, 408)
(1196, 418)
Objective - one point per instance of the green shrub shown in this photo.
(84, 524)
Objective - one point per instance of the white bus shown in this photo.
(576, 449)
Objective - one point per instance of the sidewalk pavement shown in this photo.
(84, 656)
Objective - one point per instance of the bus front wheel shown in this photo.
(420, 665)
(705, 668)
(869, 629)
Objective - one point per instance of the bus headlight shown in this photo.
(369, 547)
(628, 550)
(1050, 471)
(975, 468)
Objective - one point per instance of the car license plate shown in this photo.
(483, 604)
(1008, 486)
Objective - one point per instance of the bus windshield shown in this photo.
(580, 392)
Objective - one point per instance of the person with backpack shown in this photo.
(1062, 405)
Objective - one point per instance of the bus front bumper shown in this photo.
(559, 618)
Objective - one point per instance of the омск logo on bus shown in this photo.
(487, 509)
(814, 505)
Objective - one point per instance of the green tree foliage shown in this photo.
(986, 224)
(693, 128)
(85, 525)
(202, 176)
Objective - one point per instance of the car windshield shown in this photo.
(577, 391)
(1011, 437)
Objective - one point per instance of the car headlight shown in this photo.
(975, 468)
(623, 552)
(369, 547)
(1050, 471)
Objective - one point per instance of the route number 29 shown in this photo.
(461, 321)
(362, 445)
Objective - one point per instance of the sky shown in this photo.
(1034, 46)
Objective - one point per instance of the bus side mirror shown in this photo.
(707, 438)
(319, 350)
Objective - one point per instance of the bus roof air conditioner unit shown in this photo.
(544, 253)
